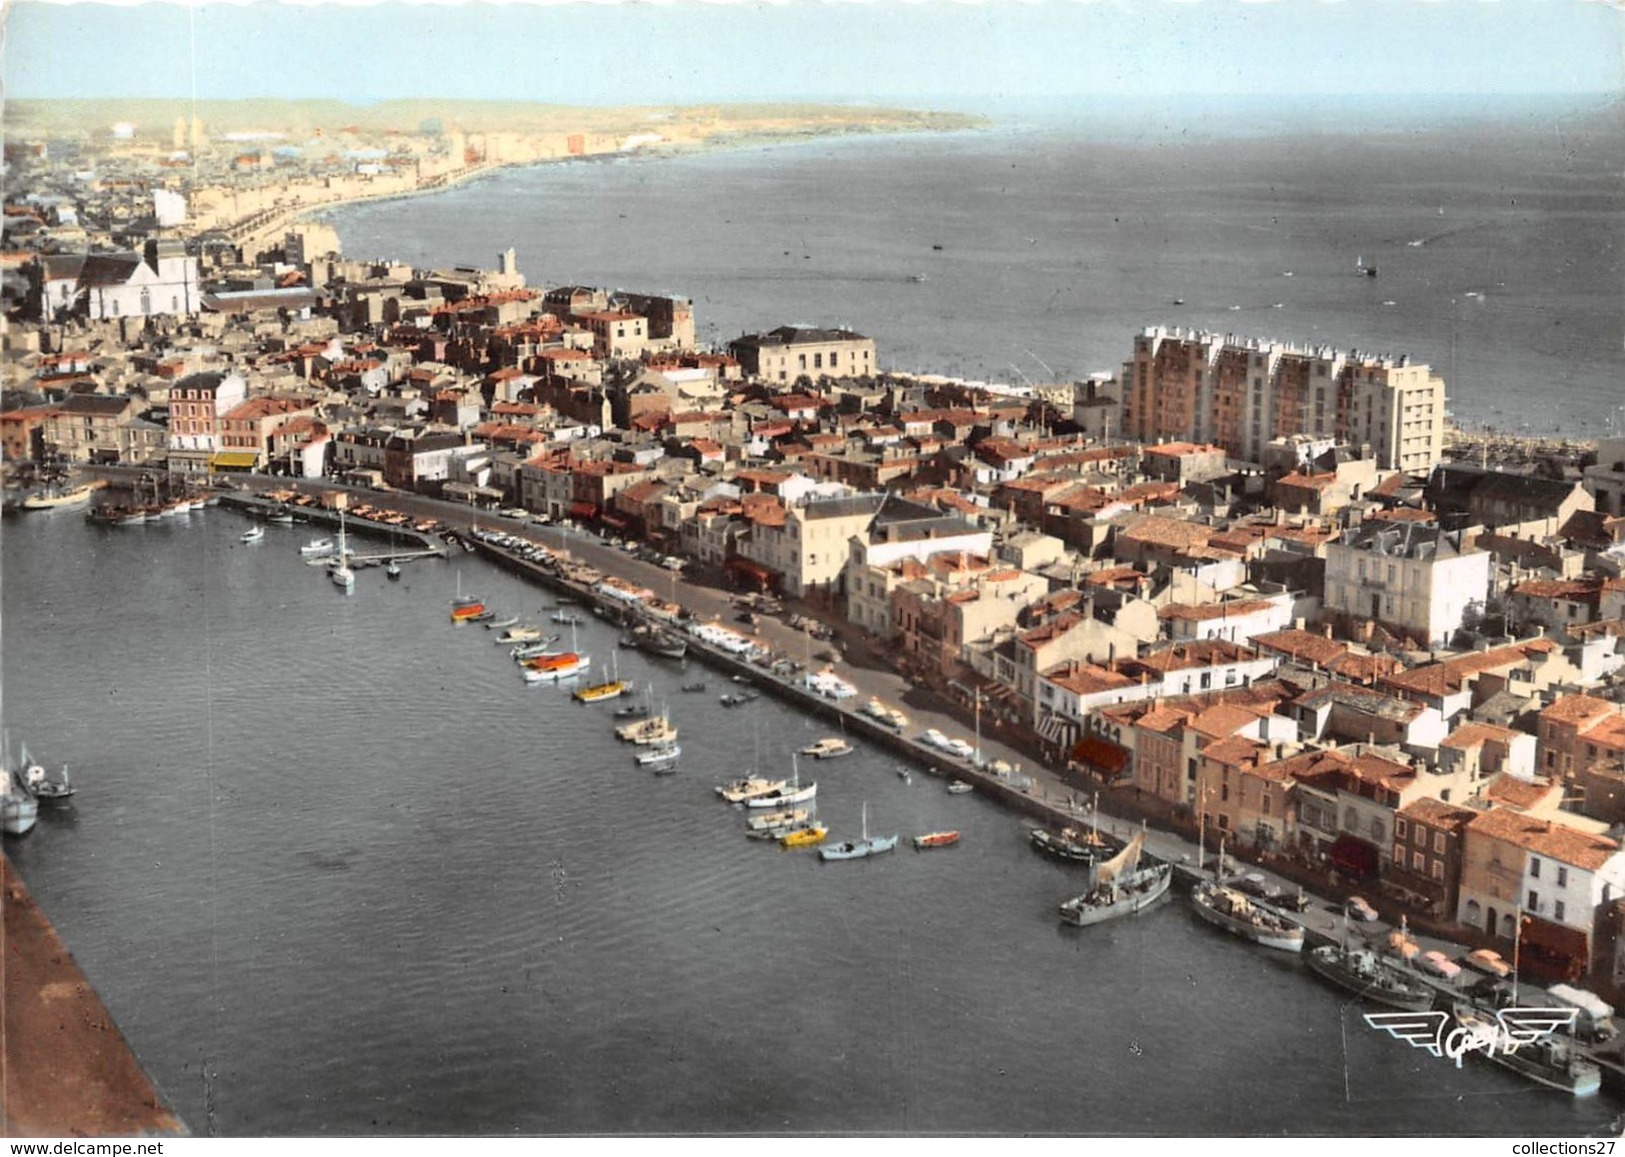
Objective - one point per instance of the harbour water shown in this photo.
(335, 870)
(1036, 249)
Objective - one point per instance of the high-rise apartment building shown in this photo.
(1240, 393)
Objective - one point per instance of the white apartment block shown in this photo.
(1412, 577)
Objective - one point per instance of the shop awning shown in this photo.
(751, 569)
(583, 510)
(235, 460)
(1553, 951)
(614, 520)
(1103, 755)
(1352, 854)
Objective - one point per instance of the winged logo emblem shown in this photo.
(1440, 1035)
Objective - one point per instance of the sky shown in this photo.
(687, 51)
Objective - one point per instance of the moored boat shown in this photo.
(936, 840)
(865, 845)
(1551, 1060)
(660, 755)
(831, 747)
(520, 633)
(565, 666)
(1122, 887)
(599, 692)
(749, 787)
(52, 499)
(654, 731)
(1234, 912)
(252, 534)
(1364, 973)
(779, 820)
(960, 787)
(808, 836)
(1072, 844)
(317, 546)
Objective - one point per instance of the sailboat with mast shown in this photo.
(1232, 910)
(1122, 886)
(341, 574)
(611, 688)
(856, 849)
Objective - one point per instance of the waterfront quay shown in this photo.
(68, 1071)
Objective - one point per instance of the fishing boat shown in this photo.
(936, 840)
(660, 755)
(53, 498)
(832, 747)
(779, 820)
(1122, 886)
(252, 534)
(18, 808)
(566, 665)
(960, 787)
(316, 547)
(749, 787)
(1234, 912)
(1364, 973)
(866, 845)
(807, 836)
(1551, 1060)
(1071, 844)
(341, 574)
(667, 645)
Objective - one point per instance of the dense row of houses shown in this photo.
(1238, 581)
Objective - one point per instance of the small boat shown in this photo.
(565, 666)
(659, 755)
(960, 787)
(252, 534)
(18, 808)
(905, 775)
(693, 687)
(535, 650)
(341, 574)
(749, 787)
(467, 611)
(785, 794)
(317, 546)
(1364, 973)
(523, 633)
(483, 615)
(936, 840)
(1232, 911)
(500, 624)
(1551, 1060)
(599, 692)
(566, 617)
(281, 518)
(1122, 887)
(1071, 844)
(393, 570)
(832, 747)
(667, 646)
(857, 849)
(52, 499)
(739, 699)
(779, 820)
(809, 836)
(655, 731)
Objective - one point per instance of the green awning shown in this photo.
(235, 460)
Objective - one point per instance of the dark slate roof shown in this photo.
(844, 507)
(94, 404)
(787, 335)
(108, 268)
(251, 301)
(1453, 485)
(208, 380)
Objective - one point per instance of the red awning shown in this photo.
(614, 520)
(1101, 754)
(754, 570)
(1553, 951)
(1352, 854)
(583, 510)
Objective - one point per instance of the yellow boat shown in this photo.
(808, 837)
(598, 692)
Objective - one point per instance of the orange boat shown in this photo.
(466, 611)
(551, 662)
(936, 840)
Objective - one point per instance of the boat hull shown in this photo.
(18, 813)
(1380, 984)
(1277, 933)
(858, 849)
(1136, 895)
(783, 798)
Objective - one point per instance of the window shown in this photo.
(1224, 793)
(1557, 910)
(1399, 829)
(1534, 867)
(1438, 869)
(1472, 912)
(1351, 819)
(1562, 876)
(1438, 842)
(1418, 861)
(818, 361)
(1265, 806)
(834, 357)
(1534, 901)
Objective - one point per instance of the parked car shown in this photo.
(1358, 909)
(1439, 964)
(1488, 962)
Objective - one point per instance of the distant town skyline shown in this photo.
(698, 52)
